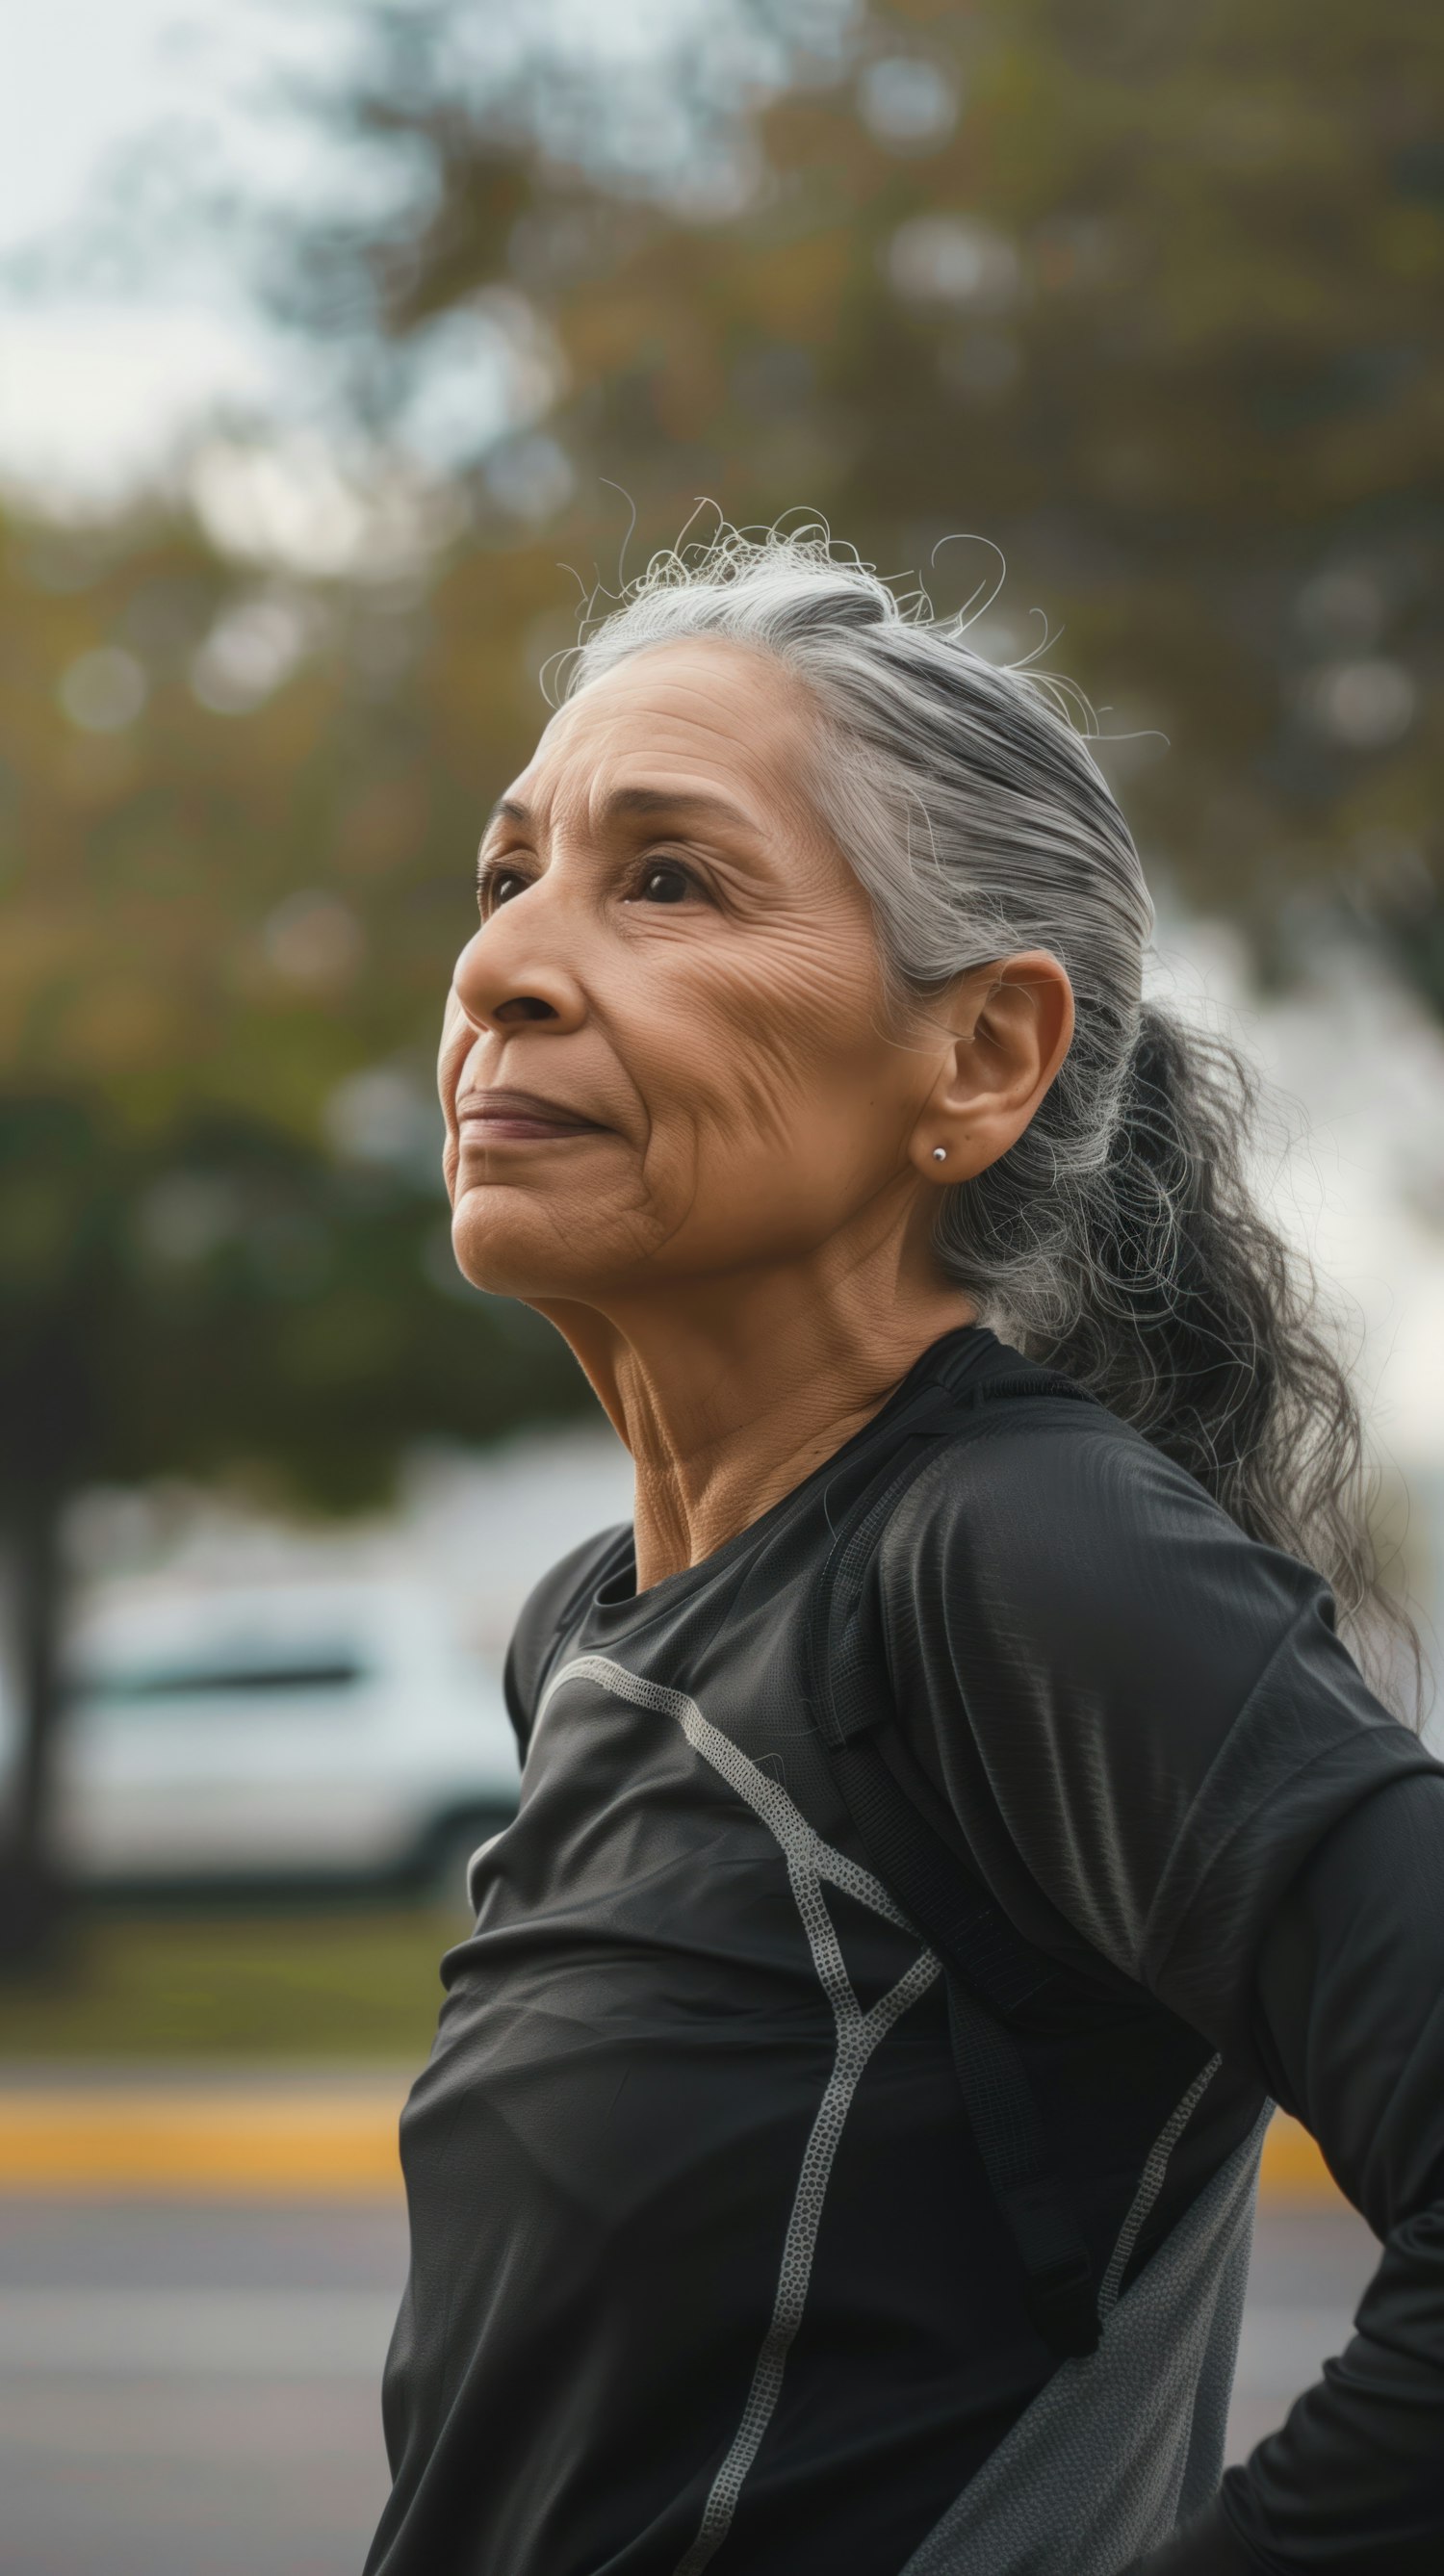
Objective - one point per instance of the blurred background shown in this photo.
(347, 352)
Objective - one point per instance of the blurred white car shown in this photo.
(302, 1733)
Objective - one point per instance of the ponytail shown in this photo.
(1194, 1319)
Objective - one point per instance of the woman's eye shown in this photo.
(502, 885)
(663, 881)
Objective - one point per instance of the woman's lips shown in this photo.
(517, 1117)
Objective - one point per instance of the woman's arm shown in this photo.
(1351, 2024)
(1155, 1743)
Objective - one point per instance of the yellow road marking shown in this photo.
(1293, 2168)
(235, 2145)
(240, 2144)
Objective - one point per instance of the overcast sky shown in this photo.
(95, 387)
(92, 389)
(79, 76)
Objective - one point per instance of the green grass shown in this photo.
(307, 1983)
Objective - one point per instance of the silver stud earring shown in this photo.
(940, 1153)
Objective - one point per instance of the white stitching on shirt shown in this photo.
(855, 2046)
(809, 1861)
(1151, 2184)
(765, 1795)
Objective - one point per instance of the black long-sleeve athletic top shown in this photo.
(686, 2288)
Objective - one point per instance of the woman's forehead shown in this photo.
(705, 709)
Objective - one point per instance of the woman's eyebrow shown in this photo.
(507, 809)
(628, 803)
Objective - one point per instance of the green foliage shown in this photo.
(236, 872)
(214, 919)
(223, 1298)
(1152, 299)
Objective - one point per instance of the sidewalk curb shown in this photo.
(269, 2138)
(263, 2142)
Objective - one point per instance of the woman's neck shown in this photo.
(728, 1393)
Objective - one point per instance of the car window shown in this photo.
(253, 1677)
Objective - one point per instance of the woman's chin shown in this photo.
(516, 1255)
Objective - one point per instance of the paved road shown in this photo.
(192, 2390)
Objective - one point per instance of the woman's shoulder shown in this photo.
(1136, 1710)
(1042, 1454)
(1055, 1518)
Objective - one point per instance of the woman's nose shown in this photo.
(511, 973)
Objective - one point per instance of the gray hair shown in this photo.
(1118, 1239)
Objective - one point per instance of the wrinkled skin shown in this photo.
(719, 1181)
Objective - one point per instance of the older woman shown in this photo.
(948, 1813)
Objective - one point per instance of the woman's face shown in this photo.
(669, 1052)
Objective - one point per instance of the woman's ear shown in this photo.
(1012, 1024)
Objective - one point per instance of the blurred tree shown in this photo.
(212, 1298)
(233, 883)
(1152, 300)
